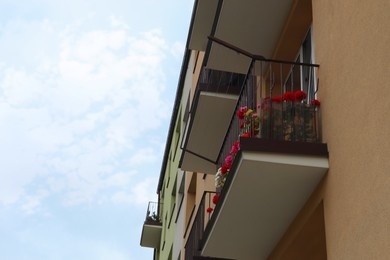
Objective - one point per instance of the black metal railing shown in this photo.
(203, 215)
(152, 214)
(277, 102)
(220, 81)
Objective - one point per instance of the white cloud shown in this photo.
(177, 49)
(140, 193)
(143, 156)
(77, 116)
(32, 202)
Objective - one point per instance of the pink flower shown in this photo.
(209, 210)
(233, 150)
(243, 109)
(254, 115)
(237, 145)
(229, 160)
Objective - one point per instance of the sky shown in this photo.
(86, 94)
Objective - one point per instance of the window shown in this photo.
(177, 135)
(173, 201)
(302, 77)
(180, 194)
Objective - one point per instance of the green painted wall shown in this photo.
(168, 193)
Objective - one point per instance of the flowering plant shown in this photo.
(289, 117)
(153, 217)
(215, 198)
(209, 210)
(220, 176)
(249, 121)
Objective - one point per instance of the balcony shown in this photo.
(271, 161)
(151, 230)
(257, 31)
(202, 217)
(214, 102)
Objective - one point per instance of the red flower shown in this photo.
(237, 145)
(209, 210)
(240, 114)
(315, 102)
(242, 125)
(288, 96)
(224, 168)
(248, 134)
(300, 95)
(277, 99)
(215, 198)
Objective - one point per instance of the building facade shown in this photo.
(284, 136)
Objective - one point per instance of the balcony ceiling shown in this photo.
(265, 194)
(202, 23)
(207, 132)
(252, 25)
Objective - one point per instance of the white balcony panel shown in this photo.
(252, 25)
(204, 15)
(207, 132)
(151, 235)
(266, 193)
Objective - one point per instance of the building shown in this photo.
(164, 223)
(287, 105)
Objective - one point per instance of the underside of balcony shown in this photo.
(252, 25)
(214, 104)
(151, 234)
(151, 230)
(207, 131)
(267, 186)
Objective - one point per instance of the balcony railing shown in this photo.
(214, 102)
(220, 81)
(277, 102)
(203, 215)
(152, 214)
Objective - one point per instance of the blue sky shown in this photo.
(86, 95)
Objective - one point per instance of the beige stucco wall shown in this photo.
(351, 43)
(352, 40)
